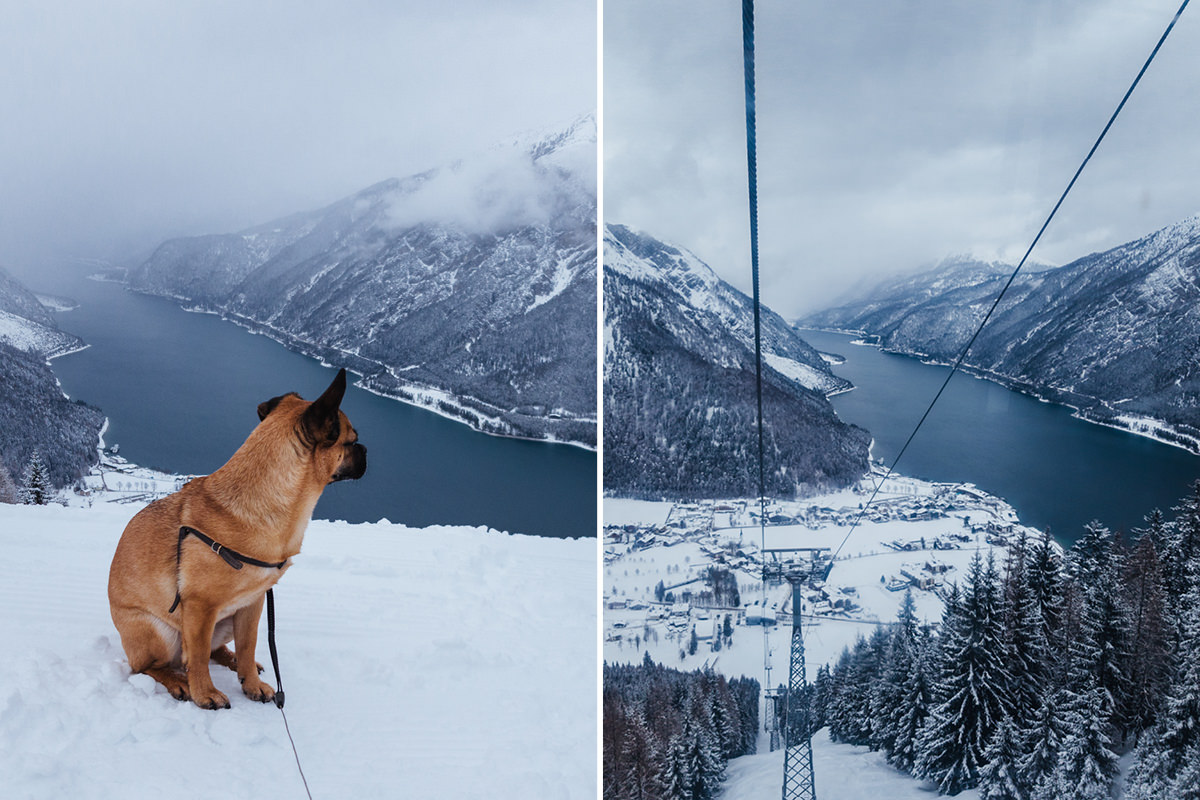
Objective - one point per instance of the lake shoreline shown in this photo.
(428, 398)
(1152, 428)
(179, 391)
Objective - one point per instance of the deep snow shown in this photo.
(840, 772)
(421, 663)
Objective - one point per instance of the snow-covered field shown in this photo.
(840, 772)
(421, 663)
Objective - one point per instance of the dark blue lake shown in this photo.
(181, 391)
(1059, 472)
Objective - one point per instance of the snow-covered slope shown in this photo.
(33, 337)
(26, 323)
(680, 416)
(1113, 333)
(424, 663)
(476, 279)
(34, 412)
(714, 306)
(840, 772)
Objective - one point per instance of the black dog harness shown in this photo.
(236, 560)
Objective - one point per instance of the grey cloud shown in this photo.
(133, 121)
(893, 134)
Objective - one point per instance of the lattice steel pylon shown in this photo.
(798, 783)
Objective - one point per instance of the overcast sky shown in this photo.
(129, 122)
(893, 134)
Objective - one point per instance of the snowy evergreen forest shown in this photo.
(1042, 672)
(39, 418)
(668, 734)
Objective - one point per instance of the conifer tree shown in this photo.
(1149, 634)
(1042, 742)
(822, 697)
(1044, 581)
(850, 720)
(1149, 777)
(1186, 785)
(1183, 544)
(914, 706)
(999, 777)
(677, 776)
(36, 488)
(887, 694)
(1100, 653)
(1086, 765)
(1027, 649)
(837, 712)
(745, 694)
(641, 765)
(1160, 759)
(969, 695)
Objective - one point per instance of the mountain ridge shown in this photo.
(468, 288)
(1112, 334)
(679, 384)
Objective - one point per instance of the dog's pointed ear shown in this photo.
(267, 407)
(320, 419)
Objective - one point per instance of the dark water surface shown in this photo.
(181, 392)
(1059, 472)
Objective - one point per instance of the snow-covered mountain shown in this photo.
(27, 325)
(474, 283)
(1114, 333)
(679, 397)
(35, 413)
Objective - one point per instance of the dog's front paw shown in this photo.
(257, 690)
(212, 699)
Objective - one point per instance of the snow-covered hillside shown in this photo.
(34, 412)
(679, 385)
(711, 304)
(469, 288)
(1113, 334)
(424, 663)
(26, 323)
(35, 337)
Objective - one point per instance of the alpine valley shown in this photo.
(1114, 334)
(469, 288)
(679, 386)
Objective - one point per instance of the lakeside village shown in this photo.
(680, 578)
(115, 480)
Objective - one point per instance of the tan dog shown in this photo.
(257, 505)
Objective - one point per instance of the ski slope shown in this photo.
(421, 663)
(840, 772)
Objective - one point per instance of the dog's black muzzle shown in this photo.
(353, 466)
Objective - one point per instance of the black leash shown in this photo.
(279, 684)
(236, 560)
